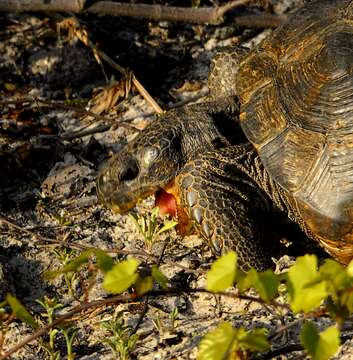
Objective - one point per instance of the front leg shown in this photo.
(226, 204)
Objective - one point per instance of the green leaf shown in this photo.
(216, 344)
(159, 277)
(143, 285)
(121, 276)
(167, 226)
(305, 289)
(254, 340)
(222, 273)
(155, 212)
(20, 311)
(242, 280)
(335, 276)
(266, 283)
(72, 266)
(320, 346)
(105, 262)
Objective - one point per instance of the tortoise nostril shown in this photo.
(130, 172)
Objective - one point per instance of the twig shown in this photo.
(72, 134)
(317, 313)
(291, 348)
(281, 351)
(201, 15)
(82, 35)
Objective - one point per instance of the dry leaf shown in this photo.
(107, 97)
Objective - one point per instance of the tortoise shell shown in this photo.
(296, 94)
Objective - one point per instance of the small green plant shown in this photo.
(157, 322)
(65, 256)
(160, 327)
(50, 305)
(63, 219)
(119, 339)
(149, 226)
(173, 318)
(69, 332)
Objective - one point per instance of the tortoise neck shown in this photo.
(209, 128)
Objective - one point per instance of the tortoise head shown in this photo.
(144, 166)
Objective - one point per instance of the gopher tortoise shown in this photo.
(275, 135)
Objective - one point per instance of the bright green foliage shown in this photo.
(222, 273)
(305, 288)
(243, 281)
(335, 276)
(69, 334)
(20, 311)
(149, 227)
(266, 283)
(308, 286)
(320, 346)
(225, 341)
(346, 300)
(338, 282)
(217, 344)
(159, 277)
(66, 330)
(121, 276)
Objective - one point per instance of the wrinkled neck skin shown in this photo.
(154, 158)
(207, 127)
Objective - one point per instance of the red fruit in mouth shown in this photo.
(166, 203)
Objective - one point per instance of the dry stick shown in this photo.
(202, 15)
(119, 68)
(281, 351)
(137, 84)
(51, 103)
(291, 348)
(281, 329)
(123, 298)
(79, 133)
(100, 128)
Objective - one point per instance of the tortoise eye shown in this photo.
(149, 155)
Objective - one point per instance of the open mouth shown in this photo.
(166, 202)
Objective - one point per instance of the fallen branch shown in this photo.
(202, 15)
(75, 29)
